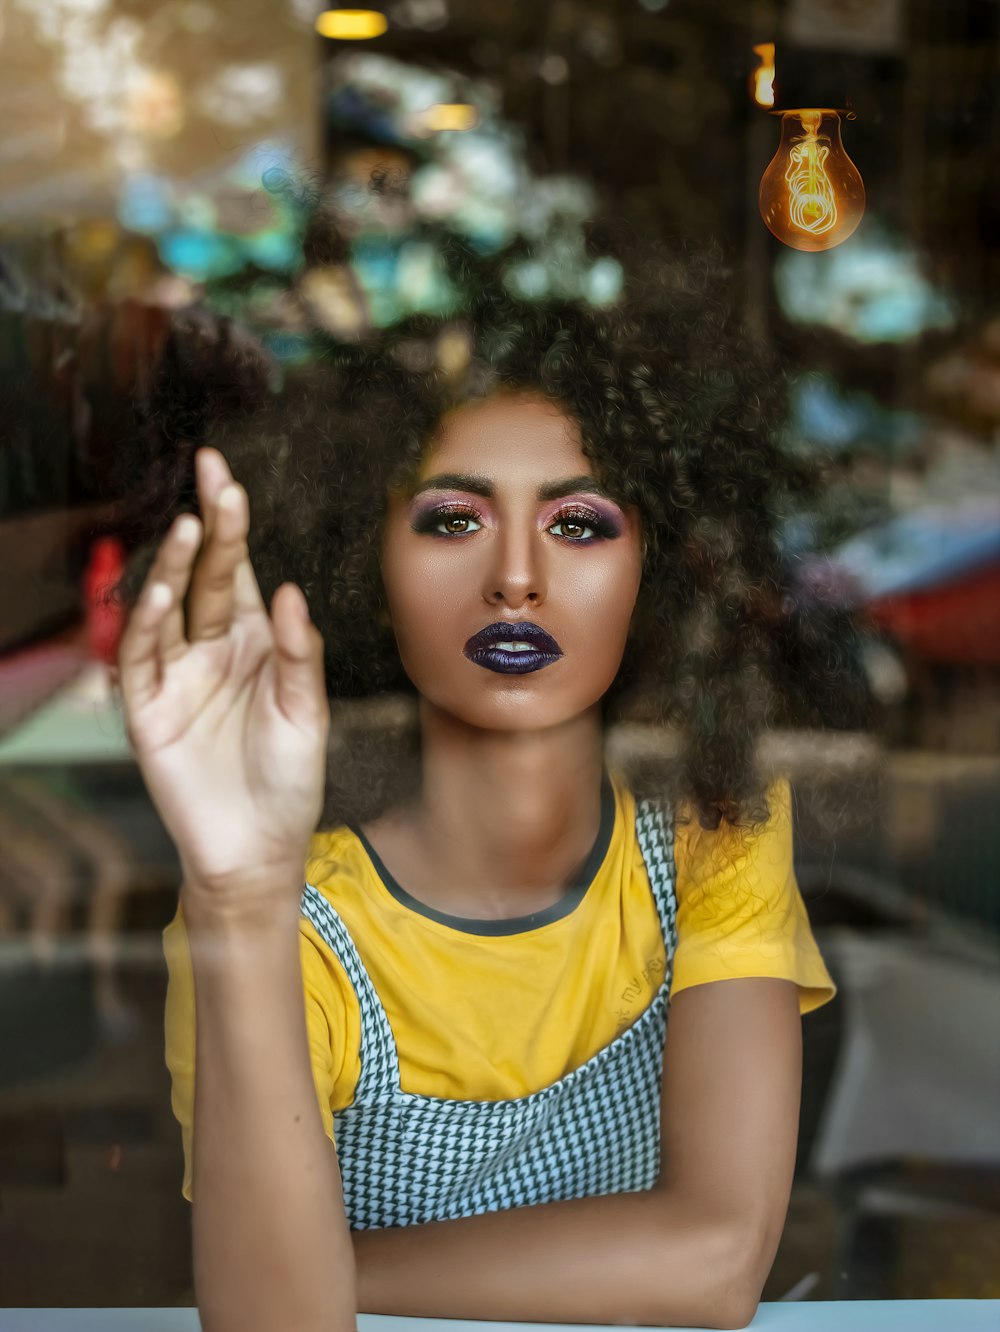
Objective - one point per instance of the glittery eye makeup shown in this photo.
(431, 513)
(604, 520)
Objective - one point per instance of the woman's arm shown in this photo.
(694, 1251)
(228, 718)
(271, 1243)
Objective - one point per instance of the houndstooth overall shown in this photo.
(407, 1159)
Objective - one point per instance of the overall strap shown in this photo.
(654, 827)
(379, 1063)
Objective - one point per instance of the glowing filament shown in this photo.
(812, 203)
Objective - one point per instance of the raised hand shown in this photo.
(227, 713)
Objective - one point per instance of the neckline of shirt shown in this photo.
(565, 906)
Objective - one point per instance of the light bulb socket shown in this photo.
(805, 78)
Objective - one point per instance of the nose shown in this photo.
(516, 573)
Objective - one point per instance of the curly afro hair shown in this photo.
(677, 409)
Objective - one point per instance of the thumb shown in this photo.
(299, 685)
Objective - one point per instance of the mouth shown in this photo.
(512, 649)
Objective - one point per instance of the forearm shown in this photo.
(633, 1258)
(271, 1243)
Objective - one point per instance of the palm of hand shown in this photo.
(227, 714)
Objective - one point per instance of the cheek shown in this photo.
(421, 589)
(605, 592)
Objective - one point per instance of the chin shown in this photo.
(514, 714)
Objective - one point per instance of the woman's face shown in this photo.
(510, 574)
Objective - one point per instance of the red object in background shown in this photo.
(957, 622)
(105, 616)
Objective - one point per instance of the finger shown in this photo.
(139, 652)
(173, 566)
(155, 630)
(213, 586)
(214, 475)
(299, 687)
(248, 597)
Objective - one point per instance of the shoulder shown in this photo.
(336, 862)
(740, 912)
(728, 859)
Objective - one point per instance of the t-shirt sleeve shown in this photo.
(739, 909)
(332, 1023)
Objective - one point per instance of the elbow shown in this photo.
(722, 1309)
(737, 1313)
(735, 1285)
(725, 1290)
(731, 1305)
(743, 1264)
(736, 1296)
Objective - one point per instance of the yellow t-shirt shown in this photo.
(493, 1010)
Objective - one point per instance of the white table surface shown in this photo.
(810, 1316)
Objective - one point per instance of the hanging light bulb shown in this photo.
(811, 196)
(351, 25)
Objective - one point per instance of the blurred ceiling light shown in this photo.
(811, 196)
(762, 78)
(155, 105)
(238, 94)
(449, 116)
(453, 351)
(351, 25)
(173, 292)
(554, 69)
(333, 297)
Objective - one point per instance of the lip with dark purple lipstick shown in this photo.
(525, 648)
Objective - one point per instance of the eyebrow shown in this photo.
(481, 485)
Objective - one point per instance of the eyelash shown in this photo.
(601, 528)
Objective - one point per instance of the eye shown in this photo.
(448, 522)
(456, 524)
(582, 526)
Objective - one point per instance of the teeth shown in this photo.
(515, 647)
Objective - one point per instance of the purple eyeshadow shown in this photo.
(439, 505)
(604, 517)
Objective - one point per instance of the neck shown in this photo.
(505, 818)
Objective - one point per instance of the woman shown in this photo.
(570, 523)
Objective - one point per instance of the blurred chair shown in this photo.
(910, 1132)
(63, 859)
(919, 1069)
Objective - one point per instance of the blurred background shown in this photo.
(196, 197)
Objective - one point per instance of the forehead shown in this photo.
(509, 438)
